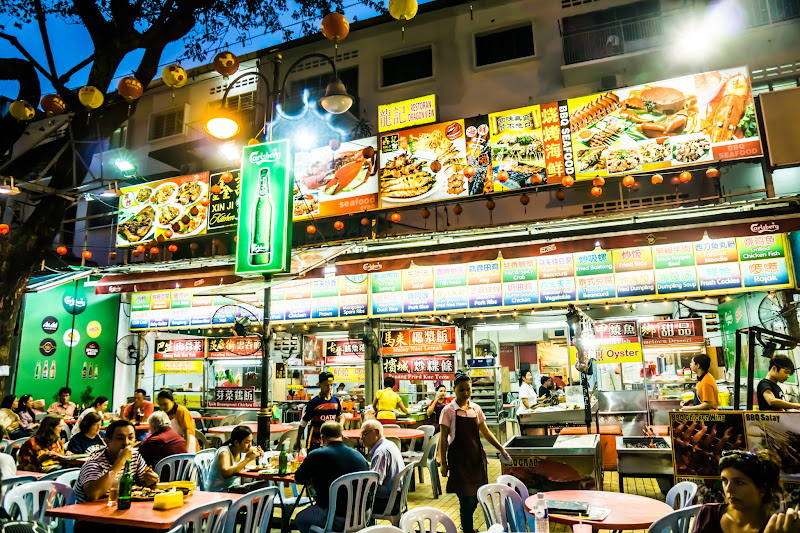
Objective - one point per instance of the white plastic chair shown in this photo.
(202, 462)
(392, 426)
(257, 514)
(69, 477)
(359, 489)
(10, 483)
(516, 484)
(428, 431)
(400, 486)
(55, 474)
(4, 445)
(289, 436)
(14, 446)
(679, 521)
(241, 419)
(180, 467)
(381, 529)
(426, 520)
(216, 517)
(681, 495)
(428, 461)
(502, 505)
(30, 501)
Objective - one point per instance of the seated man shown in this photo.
(63, 406)
(163, 441)
(102, 468)
(386, 461)
(140, 410)
(321, 468)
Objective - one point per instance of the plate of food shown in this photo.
(693, 149)
(306, 204)
(656, 150)
(138, 227)
(164, 193)
(408, 177)
(145, 494)
(591, 159)
(190, 192)
(143, 195)
(345, 172)
(168, 215)
(623, 160)
(192, 222)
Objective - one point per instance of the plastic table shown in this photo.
(399, 433)
(273, 428)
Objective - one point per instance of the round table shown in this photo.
(140, 427)
(398, 433)
(273, 428)
(628, 511)
(208, 417)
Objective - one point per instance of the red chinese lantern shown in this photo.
(226, 63)
(140, 248)
(469, 171)
(712, 172)
(635, 186)
(130, 88)
(561, 195)
(52, 105)
(135, 253)
(226, 177)
(490, 205)
(536, 179)
(112, 255)
(567, 181)
(502, 176)
(628, 181)
(173, 248)
(425, 213)
(154, 250)
(685, 176)
(335, 27)
(87, 254)
(457, 209)
(311, 228)
(194, 246)
(597, 191)
(4, 229)
(395, 217)
(339, 225)
(598, 181)
(674, 180)
(524, 199)
(61, 250)
(366, 221)
(656, 179)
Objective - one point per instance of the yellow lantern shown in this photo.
(335, 27)
(21, 110)
(403, 10)
(52, 105)
(174, 76)
(90, 97)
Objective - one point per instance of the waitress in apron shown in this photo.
(180, 419)
(461, 454)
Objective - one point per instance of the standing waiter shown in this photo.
(324, 407)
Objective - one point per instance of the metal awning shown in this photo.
(45, 283)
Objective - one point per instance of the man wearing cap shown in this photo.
(322, 408)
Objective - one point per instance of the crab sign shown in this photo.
(660, 111)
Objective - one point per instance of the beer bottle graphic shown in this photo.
(53, 370)
(90, 371)
(44, 370)
(260, 252)
(96, 370)
(38, 370)
(83, 372)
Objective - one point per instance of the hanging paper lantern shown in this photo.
(403, 9)
(4, 229)
(90, 97)
(628, 181)
(161, 237)
(469, 171)
(567, 181)
(635, 186)
(174, 76)
(598, 181)
(311, 228)
(490, 205)
(597, 191)
(130, 88)
(685, 176)
(226, 177)
(395, 217)
(712, 172)
(674, 180)
(112, 255)
(656, 179)
(524, 199)
(502, 176)
(226, 63)
(339, 225)
(194, 246)
(87, 254)
(457, 209)
(52, 105)
(61, 250)
(21, 110)
(561, 195)
(335, 27)
(140, 248)
(154, 250)
(425, 213)
(173, 248)
(135, 253)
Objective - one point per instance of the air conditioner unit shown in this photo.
(610, 81)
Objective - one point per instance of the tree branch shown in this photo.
(29, 90)
(45, 38)
(13, 40)
(94, 21)
(65, 78)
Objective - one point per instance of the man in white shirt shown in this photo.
(386, 461)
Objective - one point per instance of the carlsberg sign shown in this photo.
(264, 236)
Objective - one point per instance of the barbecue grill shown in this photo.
(645, 457)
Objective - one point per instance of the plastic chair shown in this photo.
(216, 517)
(201, 438)
(180, 467)
(55, 474)
(428, 461)
(30, 501)
(257, 513)
(359, 488)
(290, 436)
(415, 520)
(10, 483)
(679, 521)
(69, 477)
(202, 463)
(502, 505)
(416, 456)
(39, 416)
(681, 495)
(395, 441)
(516, 484)
(391, 426)
(241, 419)
(400, 486)
(381, 529)
(14, 447)
(4, 445)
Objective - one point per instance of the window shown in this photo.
(504, 45)
(238, 102)
(416, 65)
(166, 124)
(119, 139)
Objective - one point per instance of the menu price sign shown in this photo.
(422, 340)
(178, 367)
(432, 368)
(234, 397)
(672, 332)
(180, 308)
(180, 349)
(350, 351)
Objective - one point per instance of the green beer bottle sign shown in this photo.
(264, 233)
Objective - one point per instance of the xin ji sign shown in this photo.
(235, 397)
(422, 340)
(407, 113)
(672, 332)
(180, 349)
(434, 368)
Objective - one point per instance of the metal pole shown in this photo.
(737, 369)
(264, 414)
(751, 363)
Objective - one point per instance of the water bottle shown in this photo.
(541, 515)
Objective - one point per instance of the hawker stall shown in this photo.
(569, 413)
(646, 456)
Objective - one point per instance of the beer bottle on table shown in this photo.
(125, 487)
(262, 222)
(283, 460)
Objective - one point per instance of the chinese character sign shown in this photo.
(426, 367)
(672, 332)
(221, 348)
(180, 349)
(422, 340)
(234, 397)
(350, 351)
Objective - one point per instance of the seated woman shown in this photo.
(88, 440)
(99, 405)
(27, 418)
(230, 459)
(9, 418)
(750, 482)
(44, 451)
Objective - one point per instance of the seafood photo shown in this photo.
(691, 150)
(781, 437)
(655, 151)
(167, 214)
(346, 170)
(305, 204)
(591, 112)
(623, 160)
(726, 113)
(592, 159)
(405, 176)
(190, 192)
(137, 227)
(699, 444)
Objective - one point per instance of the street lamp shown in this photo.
(336, 100)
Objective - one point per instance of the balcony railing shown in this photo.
(763, 12)
(614, 39)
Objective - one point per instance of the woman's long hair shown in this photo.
(47, 434)
(22, 408)
(8, 401)
(238, 434)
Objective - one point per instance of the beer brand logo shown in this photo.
(651, 239)
(94, 329)
(47, 347)
(50, 324)
(74, 305)
(265, 157)
(764, 228)
(92, 349)
(72, 337)
(114, 288)
(372, 267)
(548, 248)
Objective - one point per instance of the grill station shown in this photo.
(645, 457)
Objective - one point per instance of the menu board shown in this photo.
(181, 309)
(222, 348)
(518, 157)
(173, 208)
(425, 164)
(665, 124)
(180, 348)
(330, 182)
(418, 341)
(315, 299)
(350, 351)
